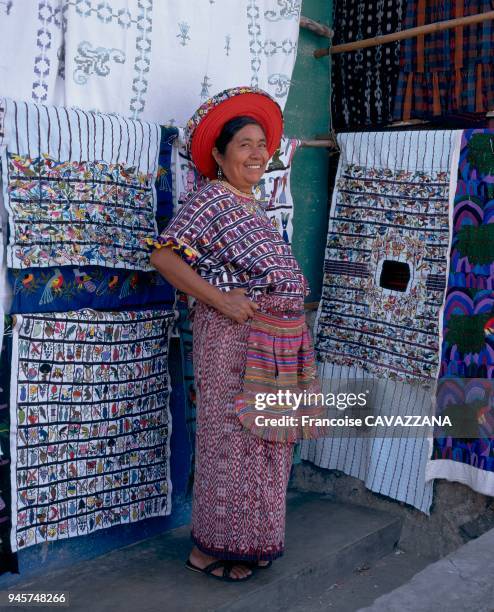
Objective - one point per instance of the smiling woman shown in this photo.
(222, 249)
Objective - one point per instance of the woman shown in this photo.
(222, 249)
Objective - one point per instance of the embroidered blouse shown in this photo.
(230, 241)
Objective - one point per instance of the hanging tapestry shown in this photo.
(125, 58)
(364, 81)
(384, 280)
(90, 422)
(465, 390)
(448, 72)
(78, 187)
(72, 288)
(31, 49)
(274, 187)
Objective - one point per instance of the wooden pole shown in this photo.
(316, 27)
(318, 143)
(404, 34)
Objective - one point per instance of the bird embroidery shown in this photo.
(52, 288)
(83, 280)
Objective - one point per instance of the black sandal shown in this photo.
(209, 569)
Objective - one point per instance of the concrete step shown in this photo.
(325, 542)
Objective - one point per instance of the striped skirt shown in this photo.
(240, 480)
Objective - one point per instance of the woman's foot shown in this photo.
(237, 572)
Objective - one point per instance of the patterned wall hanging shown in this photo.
(8, 560)
(465, 389)
(66, 288)
(90, 422)
(78, 186)
(123, 57)
(449, 72)
(29, 71)
(364, 81)
(384, 280)
(275, 187)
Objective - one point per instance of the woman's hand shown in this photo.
(232, 303)
(237, 306)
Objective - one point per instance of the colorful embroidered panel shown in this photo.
(68, 287)
(467, 355)
(275, 188)
(364, 81)
(385, 263)
(89, 421)
(384, 281)
(79, 187)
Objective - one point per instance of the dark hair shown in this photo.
(230, 129)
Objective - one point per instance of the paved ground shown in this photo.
(325, 542)
(364, 585)
(464, 580)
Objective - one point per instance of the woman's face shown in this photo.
(245, 158)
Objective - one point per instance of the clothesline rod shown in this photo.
(316, 27)
(404, 34)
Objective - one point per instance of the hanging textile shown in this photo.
(165, 177)
(449, 72)
(274, 187)
(64, 288)
(364, 81)
(465, 390)
(384, 280)
(8, 560)
(90, 422)
(125, 59)
(78, 187)
(31, 48)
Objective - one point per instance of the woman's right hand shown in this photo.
(237, 306)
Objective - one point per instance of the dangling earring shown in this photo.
(220, 173)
